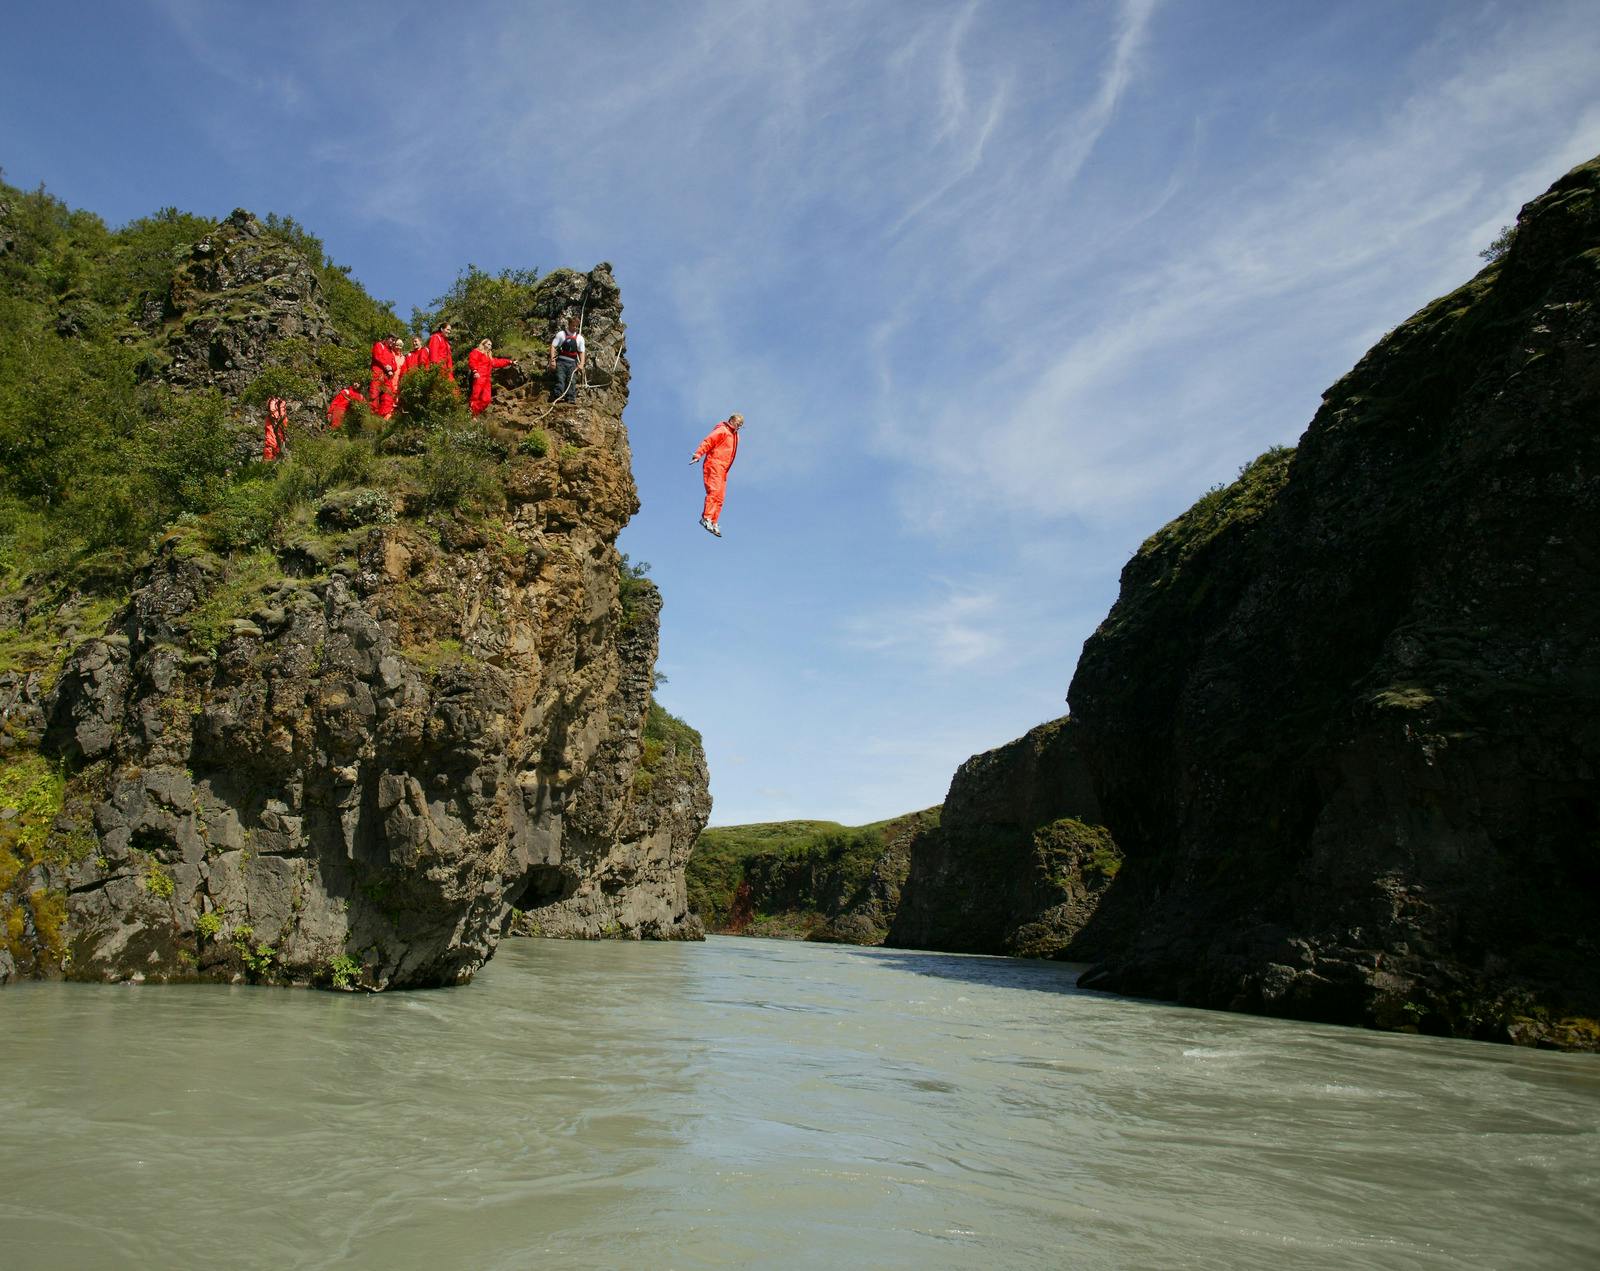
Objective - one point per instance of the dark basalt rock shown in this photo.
(1348, 740)
(1341, 722)
(239, 293)
(1018, 863)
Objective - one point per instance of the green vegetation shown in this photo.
(158, 880)
(1501, 244)
(1070, 846)
(800, 867)
(34, 791)
(260, 959)
(208, 926)
(632, 579)
(243, 579)
(483, 306)
(670, 747)
(344, 972)
(98, 457)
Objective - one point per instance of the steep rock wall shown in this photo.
(842, 888)
(1019, 862)
(1349, 742)
(344, 760)
(1341, 720)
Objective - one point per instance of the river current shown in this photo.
(753, 1103)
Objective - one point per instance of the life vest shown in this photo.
(568, 346)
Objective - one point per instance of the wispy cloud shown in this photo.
(1096, 411)
(956, 629)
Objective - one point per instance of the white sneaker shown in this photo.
(706, 525)
(715, 529)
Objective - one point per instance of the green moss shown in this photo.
(434, 656)
(1175, 565)
(244, 579)
(42, 642)
(158, 880)
(1070, 846)
(35, 790)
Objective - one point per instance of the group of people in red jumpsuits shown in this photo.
(390, 365)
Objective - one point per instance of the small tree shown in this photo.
(483, 305)
(1501, 245)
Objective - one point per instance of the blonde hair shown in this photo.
(735, 416)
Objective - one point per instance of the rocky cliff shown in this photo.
(1341, 720)
(369, 707)
(810, 880)
(1019, 861)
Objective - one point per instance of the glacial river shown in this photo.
(751, 1103)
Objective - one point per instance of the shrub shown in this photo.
(344, 971)
(536, 443)
(482, 305)
(248, 515)
(1501, 245)
(429, 399)
(320, 462)
(290, 370)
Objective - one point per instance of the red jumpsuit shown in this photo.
(277, 419)
(482, 366)
(438, 351)
(385, 372)
(341, 403)
(719, 449)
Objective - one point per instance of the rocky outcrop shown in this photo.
(240, 293)
(632, 820)
(1342, 716)
(352, 759)
(1341, 720)
(828, 883)
(1019, 861)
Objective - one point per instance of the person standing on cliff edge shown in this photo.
(566, 360)
(439, 354)
(718, 451)
(481, 365)
(385, 375)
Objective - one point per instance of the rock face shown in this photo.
(350, 761)
(632, 820)
(1019, 861)
(239, 293)
(843, 888)
(1342, 719)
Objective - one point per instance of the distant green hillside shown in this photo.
(807, 879)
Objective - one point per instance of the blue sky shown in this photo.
(999, 287)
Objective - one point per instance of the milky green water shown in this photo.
(756, 1103)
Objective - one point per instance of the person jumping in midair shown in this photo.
(718, 451)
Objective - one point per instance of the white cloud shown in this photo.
(1095, 409)
(959, 628)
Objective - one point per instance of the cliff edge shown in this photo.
(360, 710)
